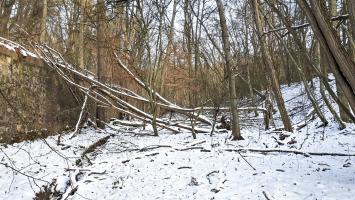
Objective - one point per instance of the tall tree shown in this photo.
(102, 69)
(82, 9)
(43, 25)
(342, 98)
(306, 58)
(229, 72)
(300, 69)
(268, 61)
(341, 65)
(5, 14)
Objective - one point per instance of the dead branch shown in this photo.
(265, 195)
(168, 105)
(80, 116)
(106, 94)
(95, 145)
(307, 154)
(23, 174)
(247, 161)
(50, 57)
(336, 18)
(128, 123)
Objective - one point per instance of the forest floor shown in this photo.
(132, 164)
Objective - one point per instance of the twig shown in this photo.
(246, 161)
(197, 143)
(153, 147)
(189, 148)
(265, 195)
(18, 171)
(184, 167)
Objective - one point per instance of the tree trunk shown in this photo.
(306, 57)
(322, 66)
(231, 79)
(341, 96)
(80, 58)
(268, 61)
(5, 14)
(328, 39)
(102, 72)
(43, 30)
(301, 71)
(351, 9)
(188, 39)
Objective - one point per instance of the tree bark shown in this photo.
(102, 72)
(351, 8)
(300, 69)
(80, 59)
(5, 14)
(328, 39)
(306, 57)
(268, 61)
(43, 30)
(341, 96)
(231, 79)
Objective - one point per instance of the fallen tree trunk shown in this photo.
(57, 61)
(105, 94)
(111, 96)
(169, 105)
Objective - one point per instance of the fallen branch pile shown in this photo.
(113, 96)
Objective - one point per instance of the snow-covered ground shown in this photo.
(135, 165)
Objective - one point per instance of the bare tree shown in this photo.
(102, 69)
(229, 72)
(43, 27)
(268, 61)
(341, 65)
(5, 14)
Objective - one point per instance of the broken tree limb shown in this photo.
(150, 117)
(336, 18)
(112, 96)
(95, 145)
(226, 109)
(158, 96)
(290, 151)
(128, 123)
(265, 195)
(80, 116)
(62, 64)
(50, 57)
(141, 83)
(141, 118)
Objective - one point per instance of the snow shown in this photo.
(12, 46)
(135, 165)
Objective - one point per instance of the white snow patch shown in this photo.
(134, 165)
